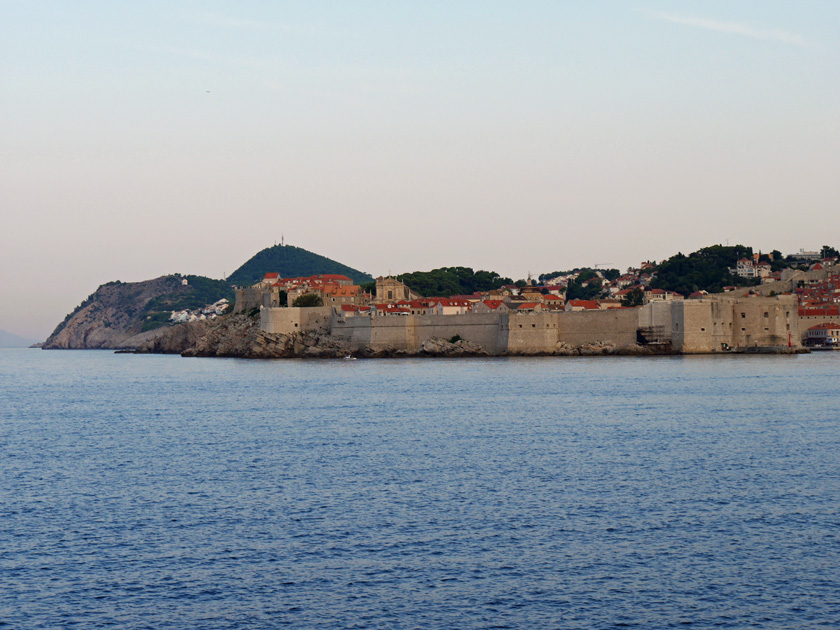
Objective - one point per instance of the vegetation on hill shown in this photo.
(308, 299)
(199, 292)
(829, 252)
(452, 281)
(592, 289)
(704, 270)
(609, 274)
(291, 262)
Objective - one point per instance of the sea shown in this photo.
(149, 491)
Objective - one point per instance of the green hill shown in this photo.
(706, 269)
(118, 310)
(448, 281)
(290, 262)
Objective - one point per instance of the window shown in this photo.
(702, 330)
(766, 314)
(743, 315)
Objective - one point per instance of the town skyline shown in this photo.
(47, 325)
(147, 139)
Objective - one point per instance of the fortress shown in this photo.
(712, 324)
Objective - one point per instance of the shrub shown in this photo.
(308, 299)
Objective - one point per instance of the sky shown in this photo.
(141, 139)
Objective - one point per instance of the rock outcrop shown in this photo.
(112, 315)
(461, 348)
(132, 314)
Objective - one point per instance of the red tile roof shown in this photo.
(827, 326)
(587, 304)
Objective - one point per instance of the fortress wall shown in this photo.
(617, 326)
(700, 326)
(409, 332)
(692, 326)
(295, 319)
(246, 299)
(710, 324)
(656, 315)
(761, 322)
(488, 330)
(523, 333)
(533, 333)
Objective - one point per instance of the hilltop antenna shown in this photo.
(281, 241)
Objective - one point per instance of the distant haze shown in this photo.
(9, 340)
(140, 139)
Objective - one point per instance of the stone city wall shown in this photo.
(711, 324)
(534, 333)
(409, 332)
(720, 322)
(294, 319)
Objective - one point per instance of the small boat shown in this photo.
(349, 357)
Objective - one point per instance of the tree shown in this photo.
(452, 281)
(308, 299)
(706, 269)
(635, 297)
(829, 252)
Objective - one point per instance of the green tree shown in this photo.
(635, 297)
(829, 252)
(706, 269)
(448, 281)
(308, 299)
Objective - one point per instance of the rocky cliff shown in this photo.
(114, 315)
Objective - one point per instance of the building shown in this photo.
(389, 289)
(827, 334)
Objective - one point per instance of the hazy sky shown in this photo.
(144, 138)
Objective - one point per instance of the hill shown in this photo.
(291, 262)
(706, 269)
(11, 340)
(118, 311)
(452, 281)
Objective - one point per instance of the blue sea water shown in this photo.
(666, 492)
